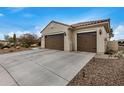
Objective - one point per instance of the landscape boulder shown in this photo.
(17, 47)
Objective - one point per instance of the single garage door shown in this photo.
(55, 41)
(86, 42)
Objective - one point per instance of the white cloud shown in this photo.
(38, 33)
(38, 30)
(1, 14)
(1, 36)
(93, 14)
(119, 32)
(18, 33)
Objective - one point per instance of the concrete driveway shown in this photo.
(41, 67)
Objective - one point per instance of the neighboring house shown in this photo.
(89, 36)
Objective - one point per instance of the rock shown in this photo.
(33, 45)
(123, 55)
(17, 47)
(5, 48)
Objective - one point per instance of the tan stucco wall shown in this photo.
(101, 45)
(55, 28)
(70, 39)
(102, 38)
(43, 42)
(80, 31)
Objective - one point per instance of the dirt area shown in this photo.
(121, 48)
(10, 50)
(100, 72)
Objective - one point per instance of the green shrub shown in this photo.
(11, 51)
(25, 45)
(110, 52)
(1, 45)
(123, 51)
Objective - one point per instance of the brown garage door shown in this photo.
(55, 41)
(86, 42)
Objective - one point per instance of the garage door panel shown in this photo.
(86, 42)
(55, 41)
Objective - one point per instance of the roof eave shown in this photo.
(105, 24)
(54, 22)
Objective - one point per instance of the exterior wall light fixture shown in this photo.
(64, 34)
(100, 32)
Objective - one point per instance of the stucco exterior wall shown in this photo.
(70, 37)
(43, 41)
(54, 28)
(68, 41)
(80, 31)
(101, 44)
(102, 40)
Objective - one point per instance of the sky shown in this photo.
(23, 20)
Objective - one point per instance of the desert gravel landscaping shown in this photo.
(10, 50)
(100, 72)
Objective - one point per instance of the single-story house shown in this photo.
(91, 36)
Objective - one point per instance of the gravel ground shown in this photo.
(100, 72)
(121, 48)
(10, 50)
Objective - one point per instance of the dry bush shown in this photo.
(26, 40)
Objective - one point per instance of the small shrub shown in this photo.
(123, 51)
(5, 46)
(120, 54)
(25, 45)
(110, 52)
(11, 51)
(1, 45)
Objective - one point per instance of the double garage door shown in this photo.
(85, 42)
(55, 41)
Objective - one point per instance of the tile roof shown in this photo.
(85, 24)
(89, 23)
